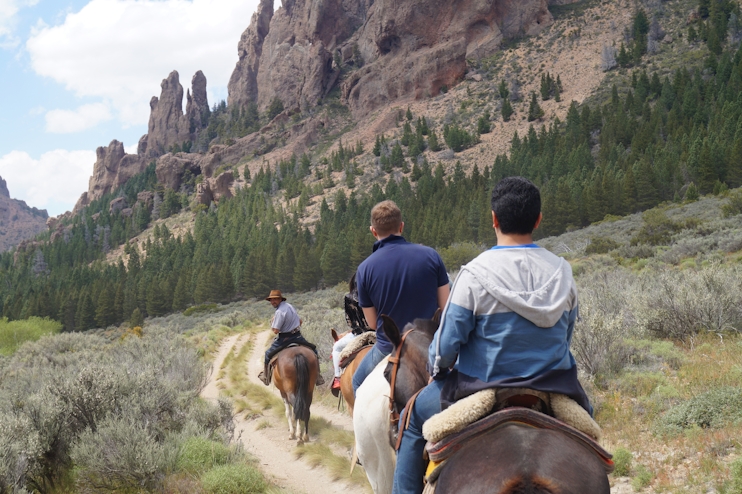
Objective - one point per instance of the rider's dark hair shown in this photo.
(517, 203)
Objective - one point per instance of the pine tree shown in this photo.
(483, 124)
(85, 314)
(104, 312)
(408, 115)
(433, 141)
(377, 146)
(181, 297)
(136, 319)
(624, 60)
(535, 111)
(545, 86)
(507, 110)
(503, 90)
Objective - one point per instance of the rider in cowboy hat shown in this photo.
(286, 324)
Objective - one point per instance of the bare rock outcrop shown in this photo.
(112, 169)
(215, 189)
(168, 125)
(409, 48)
(18, 221)
(171, 168)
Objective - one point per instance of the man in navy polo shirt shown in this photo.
(401, 280)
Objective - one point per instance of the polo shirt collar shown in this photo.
(391, 239)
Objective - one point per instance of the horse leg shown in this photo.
(371, 427)
(289, 417)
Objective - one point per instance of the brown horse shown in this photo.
(294, 375)
(512, 459)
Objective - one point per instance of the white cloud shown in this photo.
(8, 12)
(70, 121)
(53, 182)
(120, 50)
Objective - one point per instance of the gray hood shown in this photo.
(540, 283)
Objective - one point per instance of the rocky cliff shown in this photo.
(405, 48)
(18, 221)
(375, 51)
(168, 125)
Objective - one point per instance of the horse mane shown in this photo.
(535, 485)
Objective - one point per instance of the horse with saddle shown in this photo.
(505, 440)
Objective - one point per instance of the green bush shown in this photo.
(622, 459)
(198, 454)
(733, 206)
(14, 333)
(199, 308)
(601, 245)
(642, 478)
(735, 470)
(459, 254)
(233, 479)
(712, 409)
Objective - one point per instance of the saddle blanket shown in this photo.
(356, 345)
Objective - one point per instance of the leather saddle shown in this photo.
(272, 362)
(446, 447)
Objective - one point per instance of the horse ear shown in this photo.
(334, 334)
(391, 330)
(437, 317)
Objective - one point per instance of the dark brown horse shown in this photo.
(294, 375)
(513, 459)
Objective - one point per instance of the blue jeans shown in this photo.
(369, 363)
(410, 469)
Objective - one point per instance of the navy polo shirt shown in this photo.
(401, 280)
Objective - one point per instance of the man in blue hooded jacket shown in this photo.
(508, 323)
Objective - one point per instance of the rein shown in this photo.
(394, 360)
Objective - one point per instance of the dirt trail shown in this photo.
(272, 446)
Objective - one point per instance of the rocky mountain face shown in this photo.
(405, 48)
(387, 50)
(18, 221)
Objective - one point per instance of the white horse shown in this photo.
(371, 427)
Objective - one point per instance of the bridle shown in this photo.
(394, 360)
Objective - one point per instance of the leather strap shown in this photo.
(394, 360)
(407, 415)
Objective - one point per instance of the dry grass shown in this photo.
(696, 460)
(318, 454)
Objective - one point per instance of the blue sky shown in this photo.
(76, 74)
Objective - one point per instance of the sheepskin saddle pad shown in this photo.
(447, 431)
(356, 345)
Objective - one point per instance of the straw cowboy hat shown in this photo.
(275, 294)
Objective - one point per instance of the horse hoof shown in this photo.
(292, 437)
(300, 442)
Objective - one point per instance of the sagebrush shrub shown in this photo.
(715, 408)
(122, 454)
(622, 459)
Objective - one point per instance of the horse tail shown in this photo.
(535, 485)
(302, 398)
